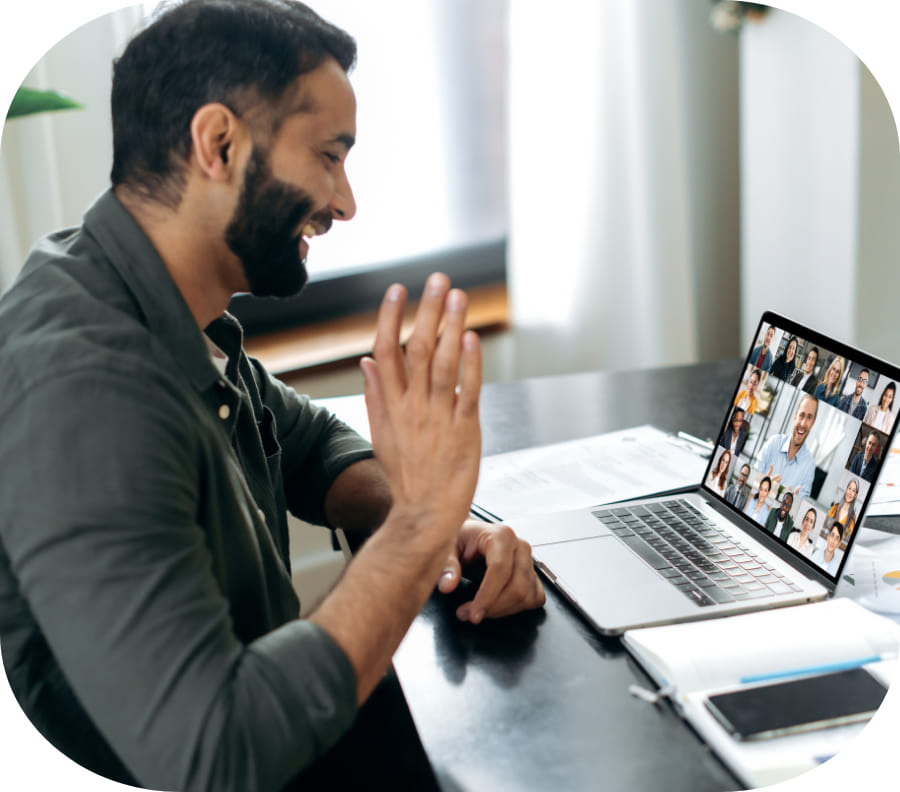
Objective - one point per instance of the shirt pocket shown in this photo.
(268, 435)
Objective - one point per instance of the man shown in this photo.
(147, 618)
(782, 518)
(854, 403)
(786, 458)
(805, 378)
(865, 463)
(735, 493)
(761, 357)
(735, 435)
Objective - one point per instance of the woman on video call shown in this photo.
(829, 389)
(718, 477)
(756, 505)
(802, 540)
(879, 415)
(786, 363)
(844, 511)
(746, 399)
(829, 557)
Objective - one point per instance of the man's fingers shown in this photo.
(421, 344)
(445, 366)
(499, 550)
(470, 379)
(373, 393)
(386, 349)
(450, 576)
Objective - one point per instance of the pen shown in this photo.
(481, 513)
(812, 670)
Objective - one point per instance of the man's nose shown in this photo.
(343, 204)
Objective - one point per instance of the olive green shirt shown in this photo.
(148, 624)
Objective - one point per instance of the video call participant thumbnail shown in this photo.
(865, 463)
(735, 494)
(785, 457)
(829, 557)
(805, 378)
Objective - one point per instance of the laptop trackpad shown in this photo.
(565, 526)
(611, 585)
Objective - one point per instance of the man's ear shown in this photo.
(216, 134)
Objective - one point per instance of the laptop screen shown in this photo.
(806, 433)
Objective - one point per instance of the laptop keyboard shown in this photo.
(693, 554)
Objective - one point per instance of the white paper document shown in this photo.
(886, 497)
(580, 473)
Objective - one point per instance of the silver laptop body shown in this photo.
(695, 555)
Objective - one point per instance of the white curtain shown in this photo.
(624, 208)
(52, 166)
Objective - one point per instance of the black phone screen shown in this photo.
(798, 704)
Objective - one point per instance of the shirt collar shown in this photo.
(165, 312)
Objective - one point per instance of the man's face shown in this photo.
(810, 362)
(804, 419)
(768, 340)
(295, 186)
(786, 502)
(743, 475)
(871, 445)
(861, 381)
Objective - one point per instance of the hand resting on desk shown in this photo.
(509, 584)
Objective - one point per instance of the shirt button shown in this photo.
(224, 412)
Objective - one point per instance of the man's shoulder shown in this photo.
(775, 442)
(67, 312)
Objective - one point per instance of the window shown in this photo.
(429, 167)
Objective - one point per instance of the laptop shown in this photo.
(800, 446)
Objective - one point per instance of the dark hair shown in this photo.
(813, 349)
(839, 526)
(723, 473)
(765, 479)
(758, 374)
(237, 52)
(892, 386)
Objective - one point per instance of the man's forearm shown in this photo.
(382, 590)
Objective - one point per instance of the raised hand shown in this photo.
(423, 405)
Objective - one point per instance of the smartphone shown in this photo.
(798, 705)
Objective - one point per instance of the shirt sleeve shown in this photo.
(100, 525)
(765, 456)
(316, 446)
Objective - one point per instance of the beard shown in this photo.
(262, 231)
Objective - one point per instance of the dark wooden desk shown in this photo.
(538, 701)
